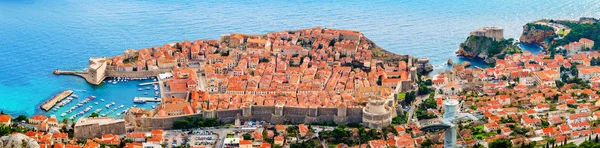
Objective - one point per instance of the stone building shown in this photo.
(86, 128)
(495, 33)
(97, 69)
(377, 114)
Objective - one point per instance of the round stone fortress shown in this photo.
(377, 114)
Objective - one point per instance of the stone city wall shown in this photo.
(228, 116)
(149, 123)
(97, 130)
(112, 72)
(265, 113)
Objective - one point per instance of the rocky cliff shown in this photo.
(535, 34)
(474, 47)
(423, 65)
(486, 48)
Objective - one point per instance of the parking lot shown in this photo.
(202, 138)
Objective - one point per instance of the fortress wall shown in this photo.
(263, 110)
(111, 72)
(325, 118)
(262, 113)
(292, 110)
(312, 111)
(228, 120)
(149, 123)
(229, 113)
(327, 111)
(176, 94)
(354, 111)
(296, 119)
(354, 119)
(98, 74)
(97, 130)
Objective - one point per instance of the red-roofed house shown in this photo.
(60, 138)
(278, 140)
(490, 127)
(245, 144)
(549, 131)
(37, 119)
(303, 129)
(5, 119)
(377, 144)
(530, 122)
(136, 136)
(586, 43)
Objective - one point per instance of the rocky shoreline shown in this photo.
(534, 34)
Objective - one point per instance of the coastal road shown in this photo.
(414, 105)
(580, 140)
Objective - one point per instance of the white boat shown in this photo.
(145, 93)
(140, 89)
(98, 110)
(147, 88)
(121, 106)
(156, 93)
(118, 114)
(102, 100)
(63, 114)
(153, 106)
(96, 103)
(113, 103)
(74, 96)
(114, 82)
(155, 87)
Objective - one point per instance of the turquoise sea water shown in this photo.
(38, 36)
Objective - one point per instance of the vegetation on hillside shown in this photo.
(578, 31)
(539, 26)
(478, 46)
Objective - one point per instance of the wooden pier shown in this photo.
(57, 98)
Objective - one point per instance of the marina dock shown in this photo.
(149, 83)
(145, 99)
(57, 98)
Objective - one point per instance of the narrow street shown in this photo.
(201, 83)
(414, 105)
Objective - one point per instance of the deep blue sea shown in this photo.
(38, 36)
